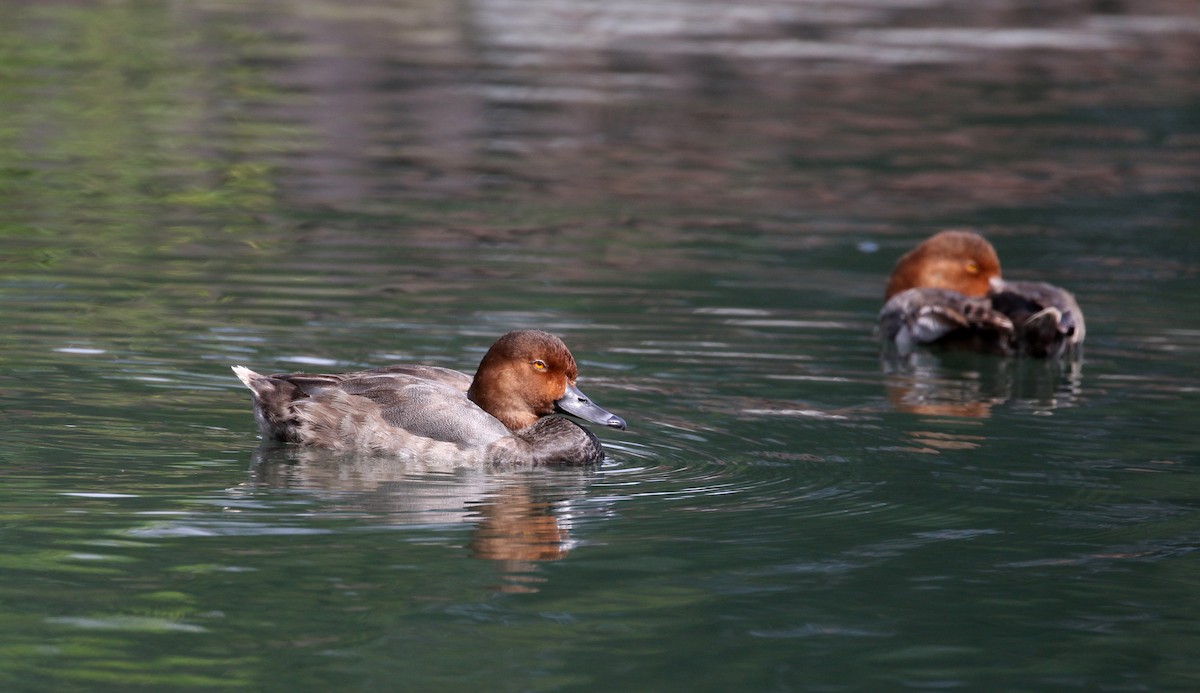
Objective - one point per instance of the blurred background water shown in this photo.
(704, 200)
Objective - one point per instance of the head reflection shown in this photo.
(518, 531)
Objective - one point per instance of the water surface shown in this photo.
(704, 201)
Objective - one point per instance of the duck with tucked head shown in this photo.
(947, 292)
(502, 416)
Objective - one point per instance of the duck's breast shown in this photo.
(551, 440)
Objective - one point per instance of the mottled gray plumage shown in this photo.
(939, 316)
(1016, 318)
(1047, 319)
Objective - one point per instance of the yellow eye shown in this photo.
(972, 268)
(538, 365)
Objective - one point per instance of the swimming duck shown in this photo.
(502, 416)
(948, 292)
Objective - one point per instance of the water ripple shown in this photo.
(771, 483)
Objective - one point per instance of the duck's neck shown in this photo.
(511, 412)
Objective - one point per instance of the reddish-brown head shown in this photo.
(528, 374)
(522, 376)
(960, 261)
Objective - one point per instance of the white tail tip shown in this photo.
(245, 375)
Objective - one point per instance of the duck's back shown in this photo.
(927, 316)
(386, 409)
(1047, 319)
(447, 376)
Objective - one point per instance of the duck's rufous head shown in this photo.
(959, 261)
(528, 374)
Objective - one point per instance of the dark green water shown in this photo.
(704, 201)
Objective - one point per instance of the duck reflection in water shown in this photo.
(971, 385)
(518, 519)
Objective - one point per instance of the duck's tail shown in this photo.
(272, 403)
(247, 376)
